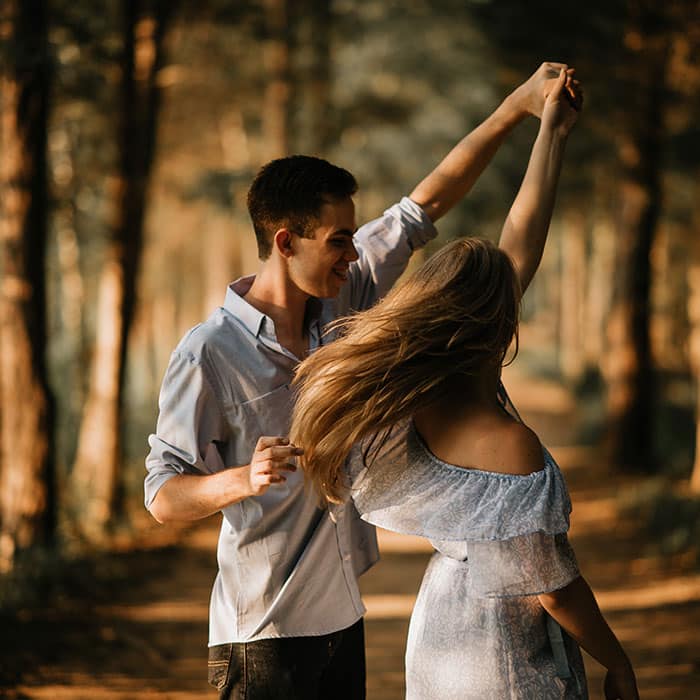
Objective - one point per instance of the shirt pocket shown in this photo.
(270, 415)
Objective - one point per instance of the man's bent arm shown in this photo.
(194, 496)
(463, 165)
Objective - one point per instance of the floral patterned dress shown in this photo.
(477, 630)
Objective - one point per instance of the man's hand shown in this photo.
(563, 103)
(271, 457)
(530, 97)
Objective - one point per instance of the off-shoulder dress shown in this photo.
(478, 629)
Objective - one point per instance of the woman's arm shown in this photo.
(575, 608)
(443, 187)
(525, 230)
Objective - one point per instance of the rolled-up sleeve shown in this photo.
(190, 424)
(384, 246)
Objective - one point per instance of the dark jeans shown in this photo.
(329, 667)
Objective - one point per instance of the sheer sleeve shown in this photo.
(526, 565)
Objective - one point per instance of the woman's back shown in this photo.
(479, 435)
(478, 629)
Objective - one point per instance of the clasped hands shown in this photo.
(553, 94)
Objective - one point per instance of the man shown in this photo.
(286, 613)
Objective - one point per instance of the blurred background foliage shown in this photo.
(131, 130)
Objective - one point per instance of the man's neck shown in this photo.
(278, 297)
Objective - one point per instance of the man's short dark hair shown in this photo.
(289, 192)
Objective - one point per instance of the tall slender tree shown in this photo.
(277, 92)
(312, 75)
(694, 346)
(26, 467)
(98, 458)
(630, 379)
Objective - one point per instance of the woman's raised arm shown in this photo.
(525, 230)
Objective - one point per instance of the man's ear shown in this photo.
(282, 241)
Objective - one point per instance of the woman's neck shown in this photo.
(465, 425)
(466, 394)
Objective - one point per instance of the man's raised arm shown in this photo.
(460, 169)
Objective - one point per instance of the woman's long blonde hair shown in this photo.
(455, 315)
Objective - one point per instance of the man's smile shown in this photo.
(342, 273)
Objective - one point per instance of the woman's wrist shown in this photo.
(556, 132)
(621, 666)
(619, 663)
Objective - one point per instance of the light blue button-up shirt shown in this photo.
(286, 567)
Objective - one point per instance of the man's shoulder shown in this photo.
(405, 214)
(218, 332)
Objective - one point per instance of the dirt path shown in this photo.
(133, 625)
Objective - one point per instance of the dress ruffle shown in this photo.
(402, 486)
(510, 528)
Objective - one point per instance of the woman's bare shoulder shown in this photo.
(489, 442)
(517, 449)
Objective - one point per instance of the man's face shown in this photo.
(319, 266)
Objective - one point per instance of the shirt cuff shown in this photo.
(420, 229)
(154, 482)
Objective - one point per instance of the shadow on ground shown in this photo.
(133, 625)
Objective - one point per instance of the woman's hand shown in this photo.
(620, 684)
(575, 608)
(530, 97)
(563, 103)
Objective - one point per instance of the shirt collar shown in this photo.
(234, 302)
(253, 319)
(314, 307)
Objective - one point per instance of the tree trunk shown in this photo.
(98, 457)
(277, 93)
(630, 375)
(601, 275)
(630, 368)
(313, 119)
(573, 279)
(694, 350)
(598, 290)
(27, 513)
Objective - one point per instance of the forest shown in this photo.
(130, 131)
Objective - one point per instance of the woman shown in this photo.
(411, 393)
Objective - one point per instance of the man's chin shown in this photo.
(331, 292)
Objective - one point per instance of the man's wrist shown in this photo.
(239, 486)
(513, 109)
